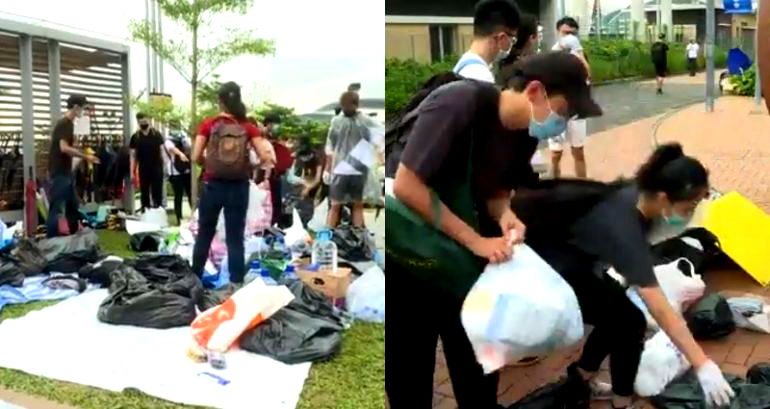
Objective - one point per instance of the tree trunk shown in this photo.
(194, 114)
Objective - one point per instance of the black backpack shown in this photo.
(181, 166)
(398, 129)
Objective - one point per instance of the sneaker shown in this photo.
(600, 390)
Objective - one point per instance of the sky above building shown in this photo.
(321, 46)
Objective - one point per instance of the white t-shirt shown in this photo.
(168, 157)
(474, 67)
(569, 43)
(692, 50)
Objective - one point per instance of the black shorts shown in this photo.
(347, 188)
(661, 69)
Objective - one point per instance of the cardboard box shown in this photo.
(333, 284)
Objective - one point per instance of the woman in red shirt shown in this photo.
(227, 139)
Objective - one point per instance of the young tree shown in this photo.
(191, 59)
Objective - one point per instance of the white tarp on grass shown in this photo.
(67, 342)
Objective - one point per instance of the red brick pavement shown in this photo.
(731, 144)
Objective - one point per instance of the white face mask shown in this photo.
(503, 54)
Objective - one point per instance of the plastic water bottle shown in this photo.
(254, 272)
(265, 275)
(290, 273)
(325, 251)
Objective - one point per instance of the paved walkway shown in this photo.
(734, 144)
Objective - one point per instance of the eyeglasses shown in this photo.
(512, 37)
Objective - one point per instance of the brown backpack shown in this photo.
(227, 152)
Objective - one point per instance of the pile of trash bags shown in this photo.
(686, 392)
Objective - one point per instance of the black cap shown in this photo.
(562, 74)
(76, 99)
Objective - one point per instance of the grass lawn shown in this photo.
(353, 380)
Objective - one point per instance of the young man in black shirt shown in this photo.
(659, 53)
(62, 188)
(147, 162)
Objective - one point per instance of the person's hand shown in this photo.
(305, 192)
(496, 250)
(184, 158)
(327, 178)
(715, 387)
(513, 229)
(92, 159)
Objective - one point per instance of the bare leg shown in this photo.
(334, 215)
(358, 215)
(578, 155)
(556, 164)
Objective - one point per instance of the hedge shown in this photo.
(609, 59)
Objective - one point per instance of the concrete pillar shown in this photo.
(667, 18)
(580, 11)
(549, 14)
(638, 20)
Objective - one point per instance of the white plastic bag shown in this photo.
(661, 363)
(157, 217)
(680, 290)
(255, 217)
(296, 235)
(751, 320)
(320, 215)
(366, 296)
(518, 309)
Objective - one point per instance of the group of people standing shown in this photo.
(464, 183)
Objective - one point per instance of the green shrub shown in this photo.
(610, 59)
(744, 84)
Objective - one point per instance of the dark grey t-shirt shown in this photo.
(615, 232)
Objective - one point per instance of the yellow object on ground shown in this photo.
(743, 230)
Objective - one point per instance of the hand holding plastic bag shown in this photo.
(518, 309)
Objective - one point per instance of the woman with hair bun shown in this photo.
(227, 139)
(579, 226)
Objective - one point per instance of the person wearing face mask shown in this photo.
(457, 170)
(62, 185)
(578, 226)
(494, 34)
(526, 45)
(147, 162)
(577, 129)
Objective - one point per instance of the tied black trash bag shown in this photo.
(570, 392)
(212, 298)
(685, 245)
(710, 318)
(69, 263)
(153, 292)
(99, 272)
(146, 242)
(353, 243)
(686, 393)
(10, 273)
(759, 374)
(306, 330)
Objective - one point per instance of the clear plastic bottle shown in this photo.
(254, 272)
(290, 274)
(267, 278)
(325, 251)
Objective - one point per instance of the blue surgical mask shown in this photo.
(554, 125)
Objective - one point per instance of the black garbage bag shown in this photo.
(29, 258)
(85, 239)
(147, 242)
(759, 374)
(211, 298)
(145, 294)
(710, 318)
(697, 245)
(570, 392)
(686, 393)
(306, 330)
(10, 274)
(68, 263)
(353, 243)
(99, 272)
